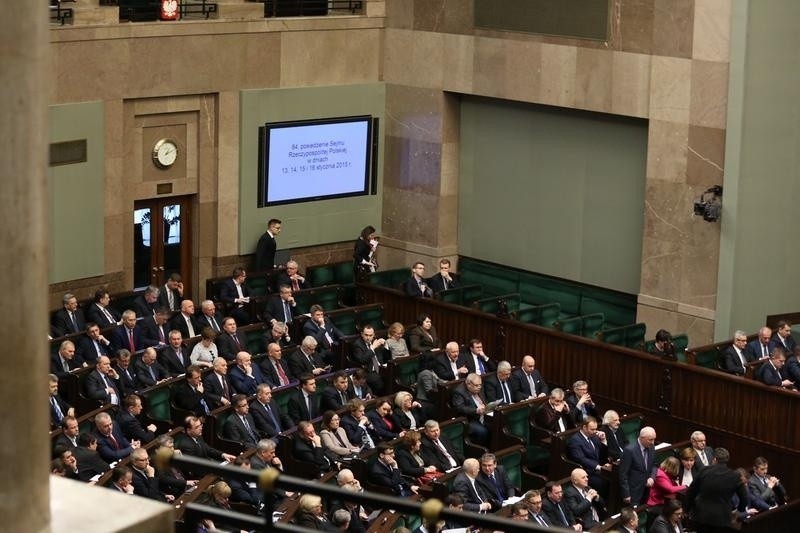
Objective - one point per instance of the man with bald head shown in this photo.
(185, 321)
(274, 367)
(637, 468)
(128, 336)
(527, 382)
(245, 377)
(451, 364)
(64, 361)
(476, 497)
(148, 371)
(583, 501)
(761, 347)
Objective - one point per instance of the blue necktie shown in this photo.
(274, 419)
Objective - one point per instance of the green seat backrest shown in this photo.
(282, 396)
(258, 285)
(220, 419)
(371, 316)
(634, 335)
(517, 423)
(681, 341)
(343, 273)
(389, 278)
(708, 358)
(320, 275)
(254, 341)
(542, 315)
(345, 320)
(512, 463)
(592, 324)
(157, 400)
(454, 432)
(630, 427)
(492, 303)
(327, 296)
(619, 310)
(452, 296)
(570, 325)
(612, 336)
(470, 293)
(407, 371)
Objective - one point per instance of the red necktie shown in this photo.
(295, 285)
(131, 345)
(282, 374)
(113, 441)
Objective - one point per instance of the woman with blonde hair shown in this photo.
(395, 342)
(665, 486)
(309, 512)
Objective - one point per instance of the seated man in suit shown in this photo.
(129, 424)
(416, 285)
(239, 425)
(783, 336)
(102, 383)
(100, 313)
(171, 294)
(90, 463)
(175, 356)
(477, 498)
(128, 336)
(327, 335)
(218, 388)
(245, 377)
(477, 361)
(615, 437)
(274, 368)
(527, 382)
(497, 386)
(266, 413)
(191, 442)
(736, 356)
(185, 321)
(69, 319)
(209, 317)
(303, 403)
(637, 468)
(336, 397)
(761, 347)
(236, 296)
(228, 342)
(279, 334)
(703, 453)
(588, 447)
(555, 414)
(144, 479)
(292, 277)
(766, 487)
(437, 449)
(469, 401)
(127, 374)
(59, 409)
(189, 394)
(63, 362)
(444, 279)
(384, 473)
(148, 372)
(772, 373)
(584, 502)
(358, 385)
(308, 447)
(371, 355)
(155, 329)
(111, 444)
(93, 345)
(305, 360)
(556, 510)
(281, 308)
(494, 479)
(451, 364)
(145, 304)
(580, 403)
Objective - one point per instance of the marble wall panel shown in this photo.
(673, 28)
(410, 216)
(706, 155)
(329, 57)
(630, 91)
(557, 76)
(709, 102)
(457, 55)
(444, 16)
(632, 25)
(398, 57)
(412, 164)
(661, 268)
(670, 89)
(593, 79)
(666, 151)
(413, 113)
(712, 30)
(400, 14)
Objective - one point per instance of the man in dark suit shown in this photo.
(554, 507)
(437, 449)
(281, 308)
(736, 356)
(497, 386)
(185, 321)
(704, 454)
(145, 304)
(709, 496)
(228, 342)
(127, 382)
(554, 415)
(494, 479)
(615, 437)
(637, 468)
(245, 377)
(111, 443)
(174, 357)
(148, 371)
(358, 387)
(584, 502)
(217, 385)
(189, 395)
(154, 328)
(171, 294)
(469, 401)
(144, 479)
(451, 364)
(102, 383)
(69, 319)
(240, 426)
(771, 373)
(477, 361)
(129, 424)
(761, 347)
(266, 413)
(274, 368)
(267, 246)
(63, 362)
(128, 336)
(99, 311)
(307, 448)
(236, 296)
(291, 277)
(323, 330)
(191, 442)
(336, 397)
(417, 286)
(59, 409)
(580, 403)
(783, 336)
(209, 317)
(384, 473)
(305, 360)
(588, 447)
(90, 464)
(792, 368)
(444, 279)
(302, 405)
(527, 382)
(93, 345)
(70, 429)
(370, 354)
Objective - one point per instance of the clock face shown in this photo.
(165, 153)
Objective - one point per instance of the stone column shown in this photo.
(24, 452)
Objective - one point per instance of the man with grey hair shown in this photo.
(451, 364)
(306, 360)
(128, 336)
(145, 483)
(736, 356)
(555, 413)
(476, 497)
(292, 277)
(614, 435)
(64, 361)
(497, 386)
(637, 468)
(111, 443)
(341, 520)
(580, 402)
(761, 347)
(265, 457)
(145, 304)
(69, 319)
(703, 453)
(209, 317)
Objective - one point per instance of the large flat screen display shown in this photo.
(309, 160)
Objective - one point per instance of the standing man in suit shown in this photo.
(416, 286)
(100, 313)
(468, 400)
(171, 293)
(239, 425)
(783, 336)
(69, 319)
(209, 317)
(303, 404)
(185, 321)
(494, 479)
(93, 345)
(444, 279)
(736, 356)
(370, 353)
(527, 382)
(292, 277)
(450, 365)
(280, 308)
(154, 328)
(637, 468)
(615, 438)
(266, 413)
(128, 336)
(267, 246)
(771, 373)
(588, 447)
(274, 368)
(711, 492)
(761, 347)
(235, 295)
(477, 361)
